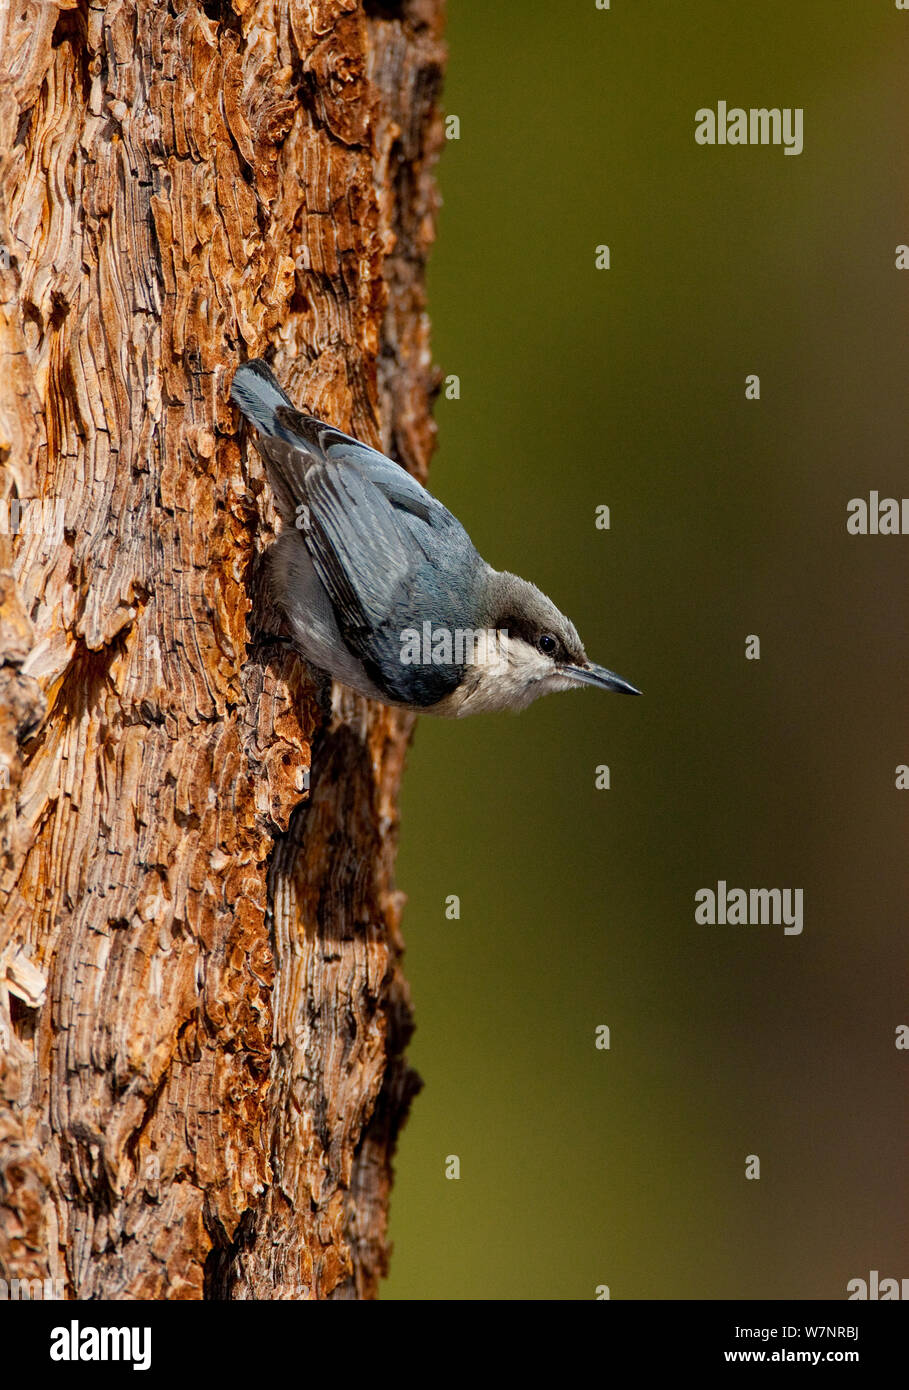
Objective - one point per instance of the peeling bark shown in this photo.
(205, 1101)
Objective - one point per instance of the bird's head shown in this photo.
(537, 650)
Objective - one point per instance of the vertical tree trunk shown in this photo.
(202, 1011)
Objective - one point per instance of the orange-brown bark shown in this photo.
(204, 1101)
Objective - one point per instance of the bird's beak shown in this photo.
(598, 676)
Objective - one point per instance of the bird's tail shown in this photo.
(255, 391)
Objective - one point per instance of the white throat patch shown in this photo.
(515, 675)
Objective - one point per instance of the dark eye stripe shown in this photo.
(515, 628)
(532, 635)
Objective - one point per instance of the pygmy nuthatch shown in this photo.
(381, 586)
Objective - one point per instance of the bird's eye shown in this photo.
(548, 644)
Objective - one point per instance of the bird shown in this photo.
(381, 586)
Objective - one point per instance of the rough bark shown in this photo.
(202, 1009)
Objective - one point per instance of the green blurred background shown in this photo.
(580, 387)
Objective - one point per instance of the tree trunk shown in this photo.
(202, 1010)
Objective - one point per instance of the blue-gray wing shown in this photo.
(390, 560)
(389, 555)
